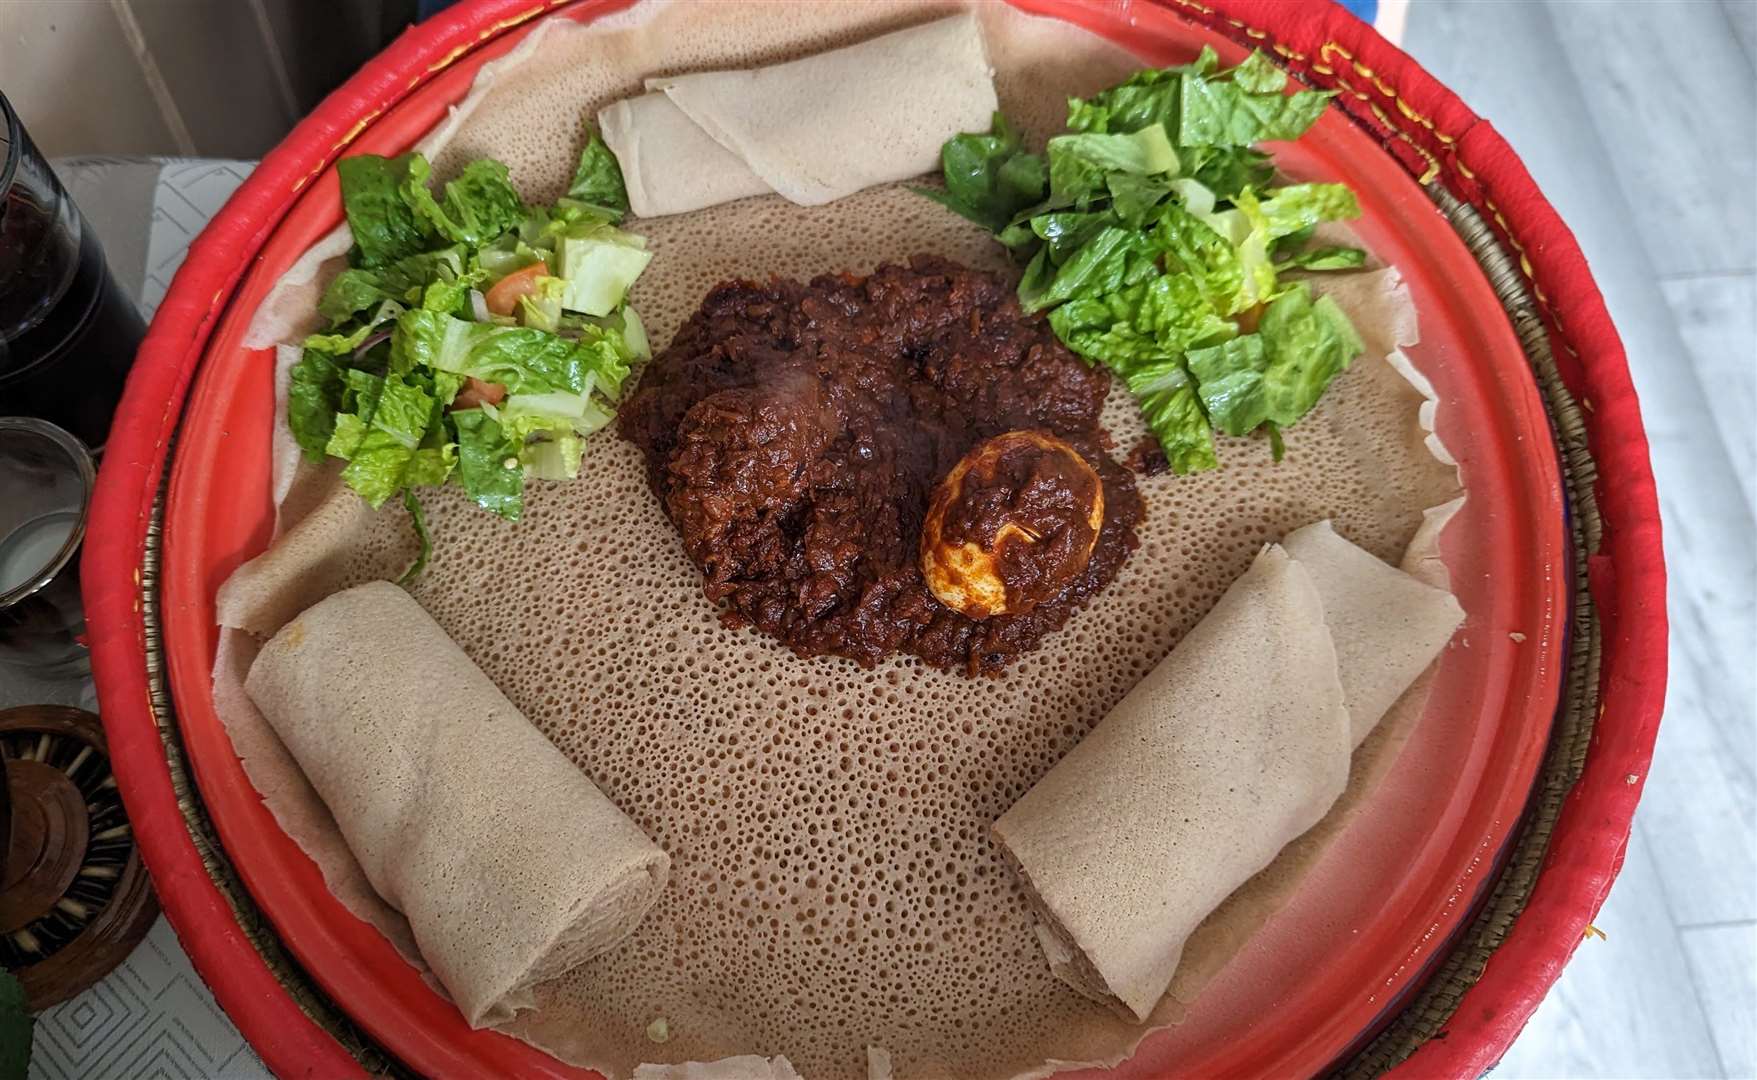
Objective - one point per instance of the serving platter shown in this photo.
(1381, 907)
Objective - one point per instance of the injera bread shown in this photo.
(1237, 743)
(1387, 625)
(508, 864)
(812, 130)
(833, 882)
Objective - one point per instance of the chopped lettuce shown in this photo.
(1154, 236)
(488, 464)
(312, 400)
(1174, 415)
(520, 358)
(598, 265)
(1079, 164)
(1277, 374)
(423, 538)
(597, 181)
(384, 225)
(989, 177)
(1222, 112)
(409, 328)
(478, 206)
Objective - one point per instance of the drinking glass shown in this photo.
(67, 331)
(46, 478)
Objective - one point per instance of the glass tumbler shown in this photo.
(67, 331)
(46, 478)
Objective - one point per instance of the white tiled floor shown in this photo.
(1640, 122)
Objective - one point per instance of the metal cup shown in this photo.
(46, 478)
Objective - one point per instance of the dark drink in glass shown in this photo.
(67, 331)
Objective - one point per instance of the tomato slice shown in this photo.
(476, 391)
(503, 297)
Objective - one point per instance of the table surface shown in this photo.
(1657, 188)
(152, 1016)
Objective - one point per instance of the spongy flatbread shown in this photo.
(669, 164)
(508, 864)
(834, 886)
(825, 126)
(1387, 625)
(1254, 716)
(1245, 721)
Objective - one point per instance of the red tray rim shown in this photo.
(291, 1043)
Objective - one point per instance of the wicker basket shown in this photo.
(1567, 849)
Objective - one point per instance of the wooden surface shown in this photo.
(1639, 119)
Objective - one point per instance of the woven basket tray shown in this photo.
(1566, 850)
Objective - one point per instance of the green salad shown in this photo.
(1156, 235)
(472, 339)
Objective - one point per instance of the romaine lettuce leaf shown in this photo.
(422, 537)
(385, 227)
(478, 206)
(1066, 231)
(1259, 75)
(350, 429)
(1309, 343)
(430, 466)
(1134, 199)
(488, 464)
(1297, 207)
(313, 397)
(554, 459)
(598, 266)
(1228, 170)
(1174, 415)
(1229, 378)
(1112, 258)
(1146, 97)
(375, 471)
(356, 289)
(1215, 112)
(989, 177)
(1078, 164)
(403, 411)
(1276, 375)
(1325, 258)
(1192, 248)
(351, 291)
(519, 358)
(597, 180)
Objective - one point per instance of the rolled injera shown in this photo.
(1238, 742)
(510, 865)
(812, 130)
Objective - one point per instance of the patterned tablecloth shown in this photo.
(151, 1017)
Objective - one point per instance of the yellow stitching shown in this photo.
(1433, 165)
(370, 118)
(504, 24)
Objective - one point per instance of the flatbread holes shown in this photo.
(833, 883)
